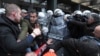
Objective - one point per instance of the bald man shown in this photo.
(85, 46)
(10, 33)
(97, 32)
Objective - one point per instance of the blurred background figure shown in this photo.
(2, 10)
(75, 24)
(50, 12)
(24, 13)
(42, 18)
(43, 21)
(58, 12)
(58, 29)
(86, 12)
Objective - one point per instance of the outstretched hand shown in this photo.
(49, 41)
(37, 30)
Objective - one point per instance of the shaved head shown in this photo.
(13, 12)
(97, 31)
(11, 8)
(97, 28)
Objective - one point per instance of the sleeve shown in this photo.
(9, 42)
(24, 30)
(77, 22)
(68, 44)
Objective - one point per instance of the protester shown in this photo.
(9, 33)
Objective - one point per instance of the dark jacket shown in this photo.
(85, 46)
(79, 28)
(9, 32)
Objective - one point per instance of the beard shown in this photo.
(18, 20)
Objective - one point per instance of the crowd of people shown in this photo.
(32, 33)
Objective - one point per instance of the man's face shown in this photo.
(18, 16)
(24, 14)
(33, 17)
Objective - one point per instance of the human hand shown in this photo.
(51, 50)
(49, 41)
(37, 31)
(30, 54)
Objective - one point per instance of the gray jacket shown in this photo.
(58, 28)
